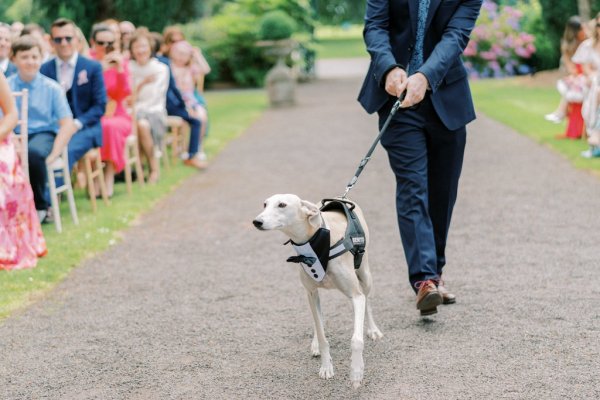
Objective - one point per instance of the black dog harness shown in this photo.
(315, 254)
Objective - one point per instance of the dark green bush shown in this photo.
(276, 25)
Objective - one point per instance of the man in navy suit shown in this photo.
(415, 48)
(83, 83)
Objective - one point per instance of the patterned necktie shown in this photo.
(416, 61)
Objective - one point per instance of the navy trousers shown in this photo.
(82, 141)
(426, 159)
(39, 147)
(195, 125)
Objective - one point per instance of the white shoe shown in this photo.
(42, 215)
(202, 156)
(552, 117)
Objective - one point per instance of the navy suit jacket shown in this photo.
(390, 35)
(175, 102)
(10, 69)
(88, 93)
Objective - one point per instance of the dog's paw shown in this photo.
(314, 348)
(374, 334)
(326, 371)
(356, 378)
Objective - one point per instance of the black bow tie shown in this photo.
(302, 259)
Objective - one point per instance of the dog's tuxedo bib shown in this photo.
(313, 255)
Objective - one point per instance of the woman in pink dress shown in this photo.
(21, 239)
(116, 122)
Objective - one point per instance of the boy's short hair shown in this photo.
(24, 43)
(60, 22)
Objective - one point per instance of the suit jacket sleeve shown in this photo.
(92, 116)
(453, 42)
(377, 38)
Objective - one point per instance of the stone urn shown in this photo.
(280, 81)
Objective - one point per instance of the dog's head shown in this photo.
(286, 212)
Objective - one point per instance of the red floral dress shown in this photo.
(21, 239)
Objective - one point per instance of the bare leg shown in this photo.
(109, 177)
(147, 147)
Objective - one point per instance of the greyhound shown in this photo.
(301, 221)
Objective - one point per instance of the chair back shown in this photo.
(21, 139)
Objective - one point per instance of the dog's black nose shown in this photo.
(257, 223)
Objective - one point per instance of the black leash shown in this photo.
(367, 157)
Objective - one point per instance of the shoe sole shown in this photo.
(425, 313)
(449, 301)
(430, 302)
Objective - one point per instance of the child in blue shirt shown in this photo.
(50, 121)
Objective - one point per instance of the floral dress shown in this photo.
(21, 239)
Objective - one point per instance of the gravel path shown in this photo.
(194, 303)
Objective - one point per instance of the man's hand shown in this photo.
(396, 81)
(416, 87)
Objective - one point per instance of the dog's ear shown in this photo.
(312, 213)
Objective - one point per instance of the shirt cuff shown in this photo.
(78, 124)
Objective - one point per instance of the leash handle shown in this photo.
(367, 157)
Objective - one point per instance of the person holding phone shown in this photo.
(116, 122)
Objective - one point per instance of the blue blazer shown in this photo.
(390, 35)
(88, 93)
(10, 69)
(175, 102)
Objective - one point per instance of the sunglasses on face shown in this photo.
(59, 39)
(105, 44)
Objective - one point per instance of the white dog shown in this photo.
(301, 221)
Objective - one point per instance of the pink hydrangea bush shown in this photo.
(498, 47)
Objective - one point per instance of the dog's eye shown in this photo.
(282, 205)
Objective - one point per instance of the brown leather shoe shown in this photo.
(195, 162)
(447, 297)
(428, 297)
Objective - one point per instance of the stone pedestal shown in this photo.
(281, 85)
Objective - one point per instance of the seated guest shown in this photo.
(150, 81)
(21, 239)
(189, 77)
(176, 107)
(6, 66)
(38, 32)
(50, 122)
(127, 29)
(116, 122)
(83, 83)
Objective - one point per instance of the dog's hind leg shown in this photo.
(326, 370)
(366, 283)
(357, 365)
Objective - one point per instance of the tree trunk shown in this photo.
(584, 9)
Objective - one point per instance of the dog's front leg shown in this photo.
(357, 365)
(326, 370)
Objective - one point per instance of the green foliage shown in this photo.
(276, 25)
(228, 38)
(340, 11)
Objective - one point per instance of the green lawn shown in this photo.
(231, 112)
(522, 107)
(340, 42)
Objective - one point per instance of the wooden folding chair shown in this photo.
(92, 166)
(175, 137)
(21, 140)
(132, 156)
(60, 168)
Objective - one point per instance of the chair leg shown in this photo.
(127, 172)
(89, 177)
(100, 176)
(70, 196)
(54, 201)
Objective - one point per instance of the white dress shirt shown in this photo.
(65, 71)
